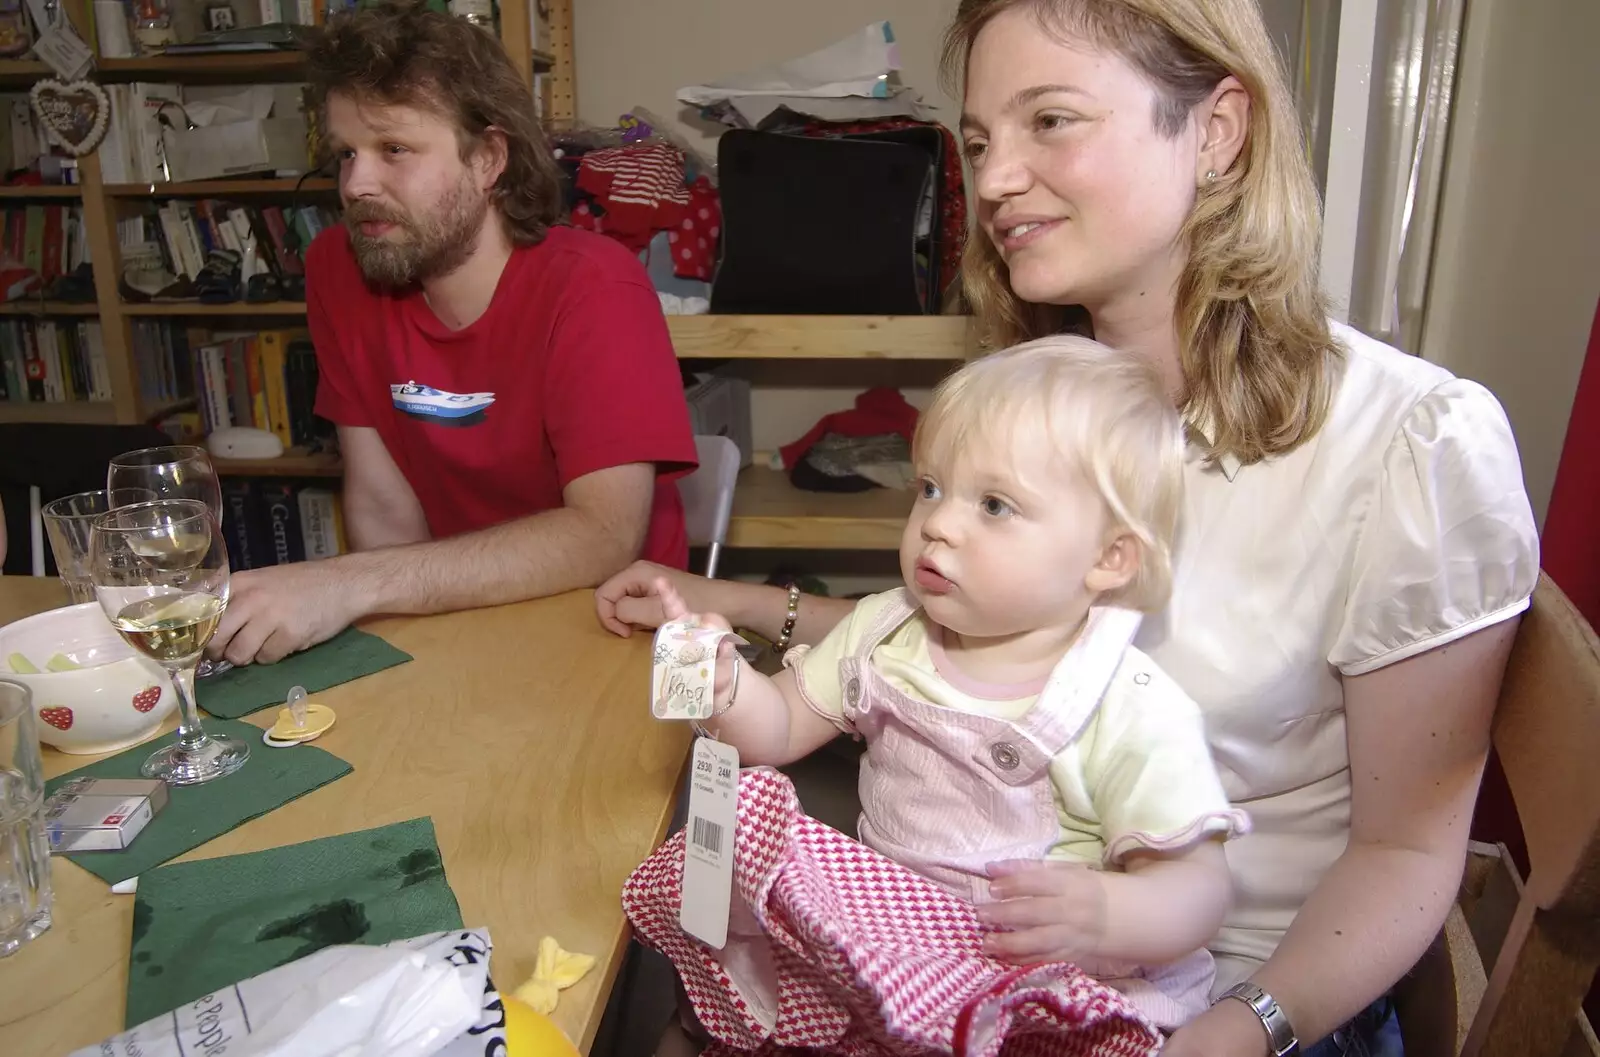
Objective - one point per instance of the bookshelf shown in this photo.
(768, 511)
(103, 205)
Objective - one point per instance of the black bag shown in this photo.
(843, 225)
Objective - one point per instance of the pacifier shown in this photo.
(298, 721)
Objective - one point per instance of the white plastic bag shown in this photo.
(412, 998)
(857, 65)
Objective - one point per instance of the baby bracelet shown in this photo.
(733, 696)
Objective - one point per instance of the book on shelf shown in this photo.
(52, 361)
(184, 233)
(49, 240)
(274, 522)
(264, 380)
(162, 363)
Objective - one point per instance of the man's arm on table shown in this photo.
(397, 568)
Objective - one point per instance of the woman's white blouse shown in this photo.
(1402, 526)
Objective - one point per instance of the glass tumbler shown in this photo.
(24, 849)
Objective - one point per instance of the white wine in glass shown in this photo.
(174, 471)
(160, 572)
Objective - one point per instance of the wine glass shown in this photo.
(174, 471)
(160, 573)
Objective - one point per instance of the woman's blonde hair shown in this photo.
(1102, 413)
(1258, 358)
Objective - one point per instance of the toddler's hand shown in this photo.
(1043, 912)
(674, 608)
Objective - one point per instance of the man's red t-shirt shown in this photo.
(571, 370)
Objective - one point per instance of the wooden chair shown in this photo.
(1508, 974)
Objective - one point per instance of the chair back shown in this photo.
(1509, 973)
(708, 496)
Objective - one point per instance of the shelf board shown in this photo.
(259, 65)
(162, 409)
(822, 337)
(23, 71)
(195, 308)
(768, 511)
(98, 412)
(730, 337)
(542, 60)
(292, 463)
(220, 188)
(31, 191)
(29, 307)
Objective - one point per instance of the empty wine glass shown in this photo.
(174, 471)
(160, 573)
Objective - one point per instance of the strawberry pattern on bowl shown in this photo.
(91, 692)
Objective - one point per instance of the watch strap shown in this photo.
(1280, 1033)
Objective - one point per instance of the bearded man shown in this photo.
(508, 403)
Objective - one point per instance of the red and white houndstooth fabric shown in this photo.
(852, 953)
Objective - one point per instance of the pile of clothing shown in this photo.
(868, 446)
(636, 191)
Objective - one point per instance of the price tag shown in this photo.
(65, 52)
(683, 670)
(708, 842)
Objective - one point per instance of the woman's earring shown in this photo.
(1211, 176)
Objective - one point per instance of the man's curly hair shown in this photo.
(401, 53)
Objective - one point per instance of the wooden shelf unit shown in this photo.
(31, 307)
(292, 463)
(222, 188)
(103, 205)
(78, 412)
(34, 192)
(173, 309)
(769, 512)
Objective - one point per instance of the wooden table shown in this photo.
(523, 731)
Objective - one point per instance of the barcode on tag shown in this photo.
(707, 859)
(708, 835)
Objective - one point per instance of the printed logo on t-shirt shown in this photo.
(435, 405)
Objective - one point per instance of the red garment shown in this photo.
(640, 187)
(877, 411)
(834, 947)
(694, 242)
(573, 355)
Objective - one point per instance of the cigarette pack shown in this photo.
(102, 814)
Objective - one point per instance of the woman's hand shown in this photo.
(629, 600)
(1227, 1029)
(1043, 912)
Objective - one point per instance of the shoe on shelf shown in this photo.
(75, 287)
(219, 282)
(145, 276)
(263, 287)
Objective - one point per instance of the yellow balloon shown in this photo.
(532, 1034)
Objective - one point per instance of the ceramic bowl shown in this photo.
(114, 698)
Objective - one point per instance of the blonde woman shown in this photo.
(1357, 545)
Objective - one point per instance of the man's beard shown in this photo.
(433, 244)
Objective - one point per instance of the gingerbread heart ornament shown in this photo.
(74, 113)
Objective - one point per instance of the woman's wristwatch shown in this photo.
(1280, 1034)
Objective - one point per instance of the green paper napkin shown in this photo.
(200, 926)
(194, 814)
(348, 655)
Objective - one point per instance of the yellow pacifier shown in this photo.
(299, 720)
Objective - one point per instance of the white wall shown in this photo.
(1516, 268)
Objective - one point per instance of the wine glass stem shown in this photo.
(190, 734)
